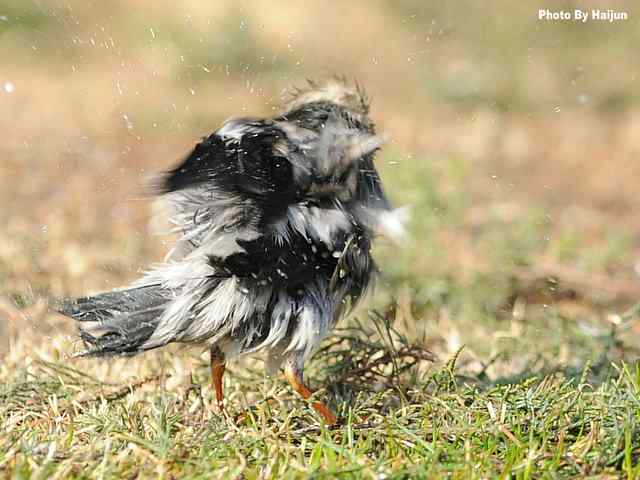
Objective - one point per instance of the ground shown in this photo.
(503, 337)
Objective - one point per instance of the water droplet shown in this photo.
(9, 87)
(127, 122)
(556, 109)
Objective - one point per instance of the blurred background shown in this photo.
(514, 140)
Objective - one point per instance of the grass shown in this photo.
(60, 422)
(502, 341)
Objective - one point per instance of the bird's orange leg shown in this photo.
(217, 372)
(293, 375)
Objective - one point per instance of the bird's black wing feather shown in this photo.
(210, 160)
(246, 162)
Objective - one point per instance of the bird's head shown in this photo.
(327, 163)
(330, 140)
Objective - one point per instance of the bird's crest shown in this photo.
(337, 90)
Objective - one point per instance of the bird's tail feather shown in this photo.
(118, 322)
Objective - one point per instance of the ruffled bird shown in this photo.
(274, 220)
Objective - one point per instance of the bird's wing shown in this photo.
(222, 190)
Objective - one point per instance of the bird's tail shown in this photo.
(117, 322)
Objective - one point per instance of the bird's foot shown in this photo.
(327, 415)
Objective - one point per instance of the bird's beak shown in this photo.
(339, 148)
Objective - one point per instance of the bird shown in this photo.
(274, 220)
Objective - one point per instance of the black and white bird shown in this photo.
(274, 219)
